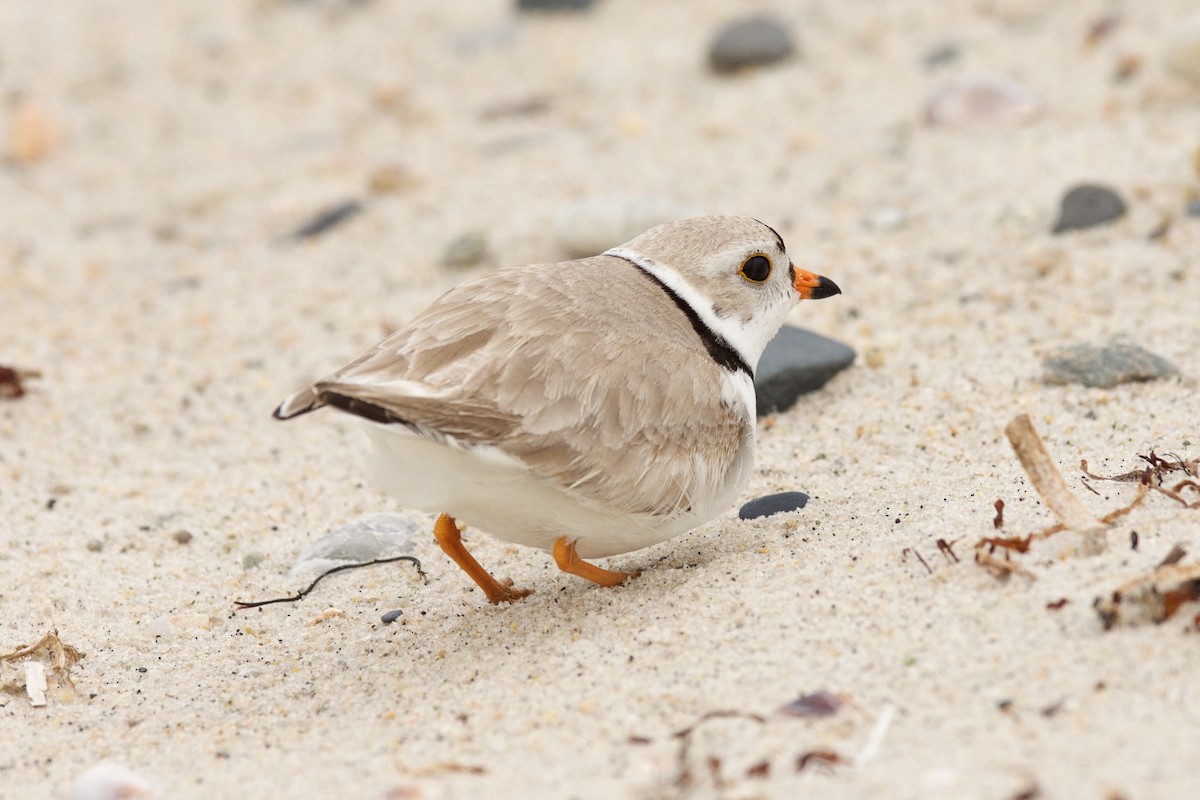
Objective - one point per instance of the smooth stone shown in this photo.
(367, 538)
(591, 226)
(391, 616)
(554, 5)
(980, 101)
(1102, 367)
(946, 53)
(1193, 208)
(749, 42)
(795, 362)
(1183, 50)
(773, 504)
(1086, 206)
(469, 249)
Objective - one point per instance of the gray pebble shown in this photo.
(391, 616)
(941, 55)
(773, 504)
(1102, 367)
(469, 249)
(95, 545)
(795, 362)
(749, 42)
(367, 538)
(252, 559)
(591, 226)
(1193, 208)
(1086, 206)
(554, 5)
(182, 537)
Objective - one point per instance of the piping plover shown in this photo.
(589, 407)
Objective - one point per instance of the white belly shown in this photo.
(498, 495)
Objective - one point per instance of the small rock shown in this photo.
(392, 179)
(942, 55)
(1102, 367)
(327, 219)
(554, 5)
(979, 101)
(592, 226)
(795, 362)
(749, 42)
(32, 135)
(1086, 206)
(1183, 50)
(94, 545)
(252, 559)
(817, 704)
(773, 504)
(1193, 208)
(182, 537)
(391, 616)
(466, 250)
(367, 538)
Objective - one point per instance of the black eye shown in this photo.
(756, 269)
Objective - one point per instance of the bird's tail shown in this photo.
(301, 402)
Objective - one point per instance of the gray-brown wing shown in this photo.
(585, 371)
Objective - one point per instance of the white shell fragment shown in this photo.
(108, 781)
(981, 101)
(367, 538)
(35, 682)
(592, 226)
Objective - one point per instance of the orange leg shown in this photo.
(449, 538)
(569, 561)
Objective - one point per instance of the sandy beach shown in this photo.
(159, 157)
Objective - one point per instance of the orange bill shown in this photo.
(811, 286)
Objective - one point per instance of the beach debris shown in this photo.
(110, 781)
(591, 226)
(48, 653)
(1055, 605)
(252, 560)
(998, 521)
(1104, 366)
(1047, 480)
(947, 549)
(684, 776)
(752, 41)
(979, 101)
(904, 555)
(35, 682)
(368, 537)
(300, 595)
(33, 134)
(817, 704)
(182, 537)
(325, 616)
(1087, 205)
(1100, 28)
(392, 179)
(468, 249)
(327, 219)
(1154, 597)
(826, 758)
(12, 381)
(770, 504)
(1183, 50)
(796, 362)
(554, 5)
(391, 616)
